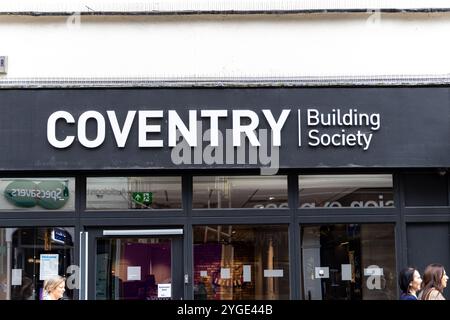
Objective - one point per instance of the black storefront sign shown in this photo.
(78, 129)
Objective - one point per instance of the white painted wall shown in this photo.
(216, 5)
(226, 46)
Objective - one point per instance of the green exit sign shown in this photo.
(143, 197)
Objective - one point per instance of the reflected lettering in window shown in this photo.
(354, 191)
(256, 192)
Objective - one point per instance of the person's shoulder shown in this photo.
(436, 295)
(407, 297)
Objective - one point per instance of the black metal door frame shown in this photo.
(177, 258)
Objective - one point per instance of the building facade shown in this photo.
(214, 157)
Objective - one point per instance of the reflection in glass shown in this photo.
(349, 262)
(37, 194)
(260, 192)
(356, 191)
(238, 262)
(426, 189)
(132, 268)
(29, 256)
(123, 193)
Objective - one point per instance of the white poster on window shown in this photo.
(346, 272)
(322, 272)
(247, 273)
(273, 273)
(48, 266)
(16, 277)
(134, 273)
(225, 273)
(373, 271)
(164, 290)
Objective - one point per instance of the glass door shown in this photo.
(135, 264)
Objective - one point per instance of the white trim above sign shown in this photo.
(196, 6)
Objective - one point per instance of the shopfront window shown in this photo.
(351, 191)
(28, 256)
(426, 189)
(239, 262)
(37, 194)
(349, 262)
(257, 192)
(123, 193)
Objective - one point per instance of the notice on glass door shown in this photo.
(134, 273)
(164, 290)
(48, 266)
(16, 277)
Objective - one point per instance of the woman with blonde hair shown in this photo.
(54, 288)
(434, 282)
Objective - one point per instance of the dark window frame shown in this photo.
(82, 219)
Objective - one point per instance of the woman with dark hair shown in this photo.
(410, 282)
(435, 280)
